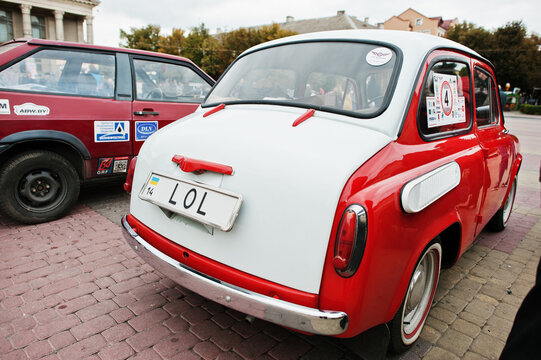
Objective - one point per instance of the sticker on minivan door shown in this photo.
(4, 107)
(109, 131)
(30, 109)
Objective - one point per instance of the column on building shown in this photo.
(89, 29)
(59, 24)
(27, 23)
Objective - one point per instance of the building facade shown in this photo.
(69, 20)
(412, 20)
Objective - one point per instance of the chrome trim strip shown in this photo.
(424, 190)
(263, 307)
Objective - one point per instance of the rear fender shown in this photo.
(428, 234)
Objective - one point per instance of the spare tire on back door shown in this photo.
(38, 186)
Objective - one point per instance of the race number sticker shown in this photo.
(445, 107)
(110, 131)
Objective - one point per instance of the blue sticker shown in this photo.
(109, 131)
(143, 129)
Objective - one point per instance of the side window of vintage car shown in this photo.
(486, 99)
(62, 72)
(444, 107)
(160, 81)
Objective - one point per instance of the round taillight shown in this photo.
(350, 240)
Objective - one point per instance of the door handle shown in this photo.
(142, 113)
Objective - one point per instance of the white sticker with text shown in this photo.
(4, 107)
(31, 109)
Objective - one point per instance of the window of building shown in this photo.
(444, 108)
(161, 81)
(486, 99)
(38, 26)
(6, 26)
(418, 21)
(62, 72)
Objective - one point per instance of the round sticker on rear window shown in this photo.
(379, 56)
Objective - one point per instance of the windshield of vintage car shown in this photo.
(344, 77)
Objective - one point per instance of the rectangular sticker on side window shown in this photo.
(111, 131)
(143, 129)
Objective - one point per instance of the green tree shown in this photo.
(515, 55)
(172, 44)
(193, 44)
(213, 53)
(145, 38)
(474, 37)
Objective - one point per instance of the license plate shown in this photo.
(209, 205)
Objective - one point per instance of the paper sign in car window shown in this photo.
(111, 131)
(445, 107)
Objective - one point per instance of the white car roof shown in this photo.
(406, 40)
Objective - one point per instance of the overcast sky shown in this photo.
(112, 15)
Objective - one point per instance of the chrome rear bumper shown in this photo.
(263, 307)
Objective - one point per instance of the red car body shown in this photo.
(380, 265)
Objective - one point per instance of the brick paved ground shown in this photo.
(73, 289)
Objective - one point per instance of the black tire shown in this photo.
(500, 219)
(410, 318)
(38, 186)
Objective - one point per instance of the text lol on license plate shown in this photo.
(211, 206)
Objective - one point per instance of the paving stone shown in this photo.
(430, 334)
(442, 314)
(149, 319)
(455, 342)
(254, 346)
(148, 337)
(226, 339)
(207, 350)
(116, 352)
(437, 353)
(480, 308)
(466, 328)
(498, 327)
(487, 346)
(290, 349)
(92, 327)
(175, 344)
(83, 348)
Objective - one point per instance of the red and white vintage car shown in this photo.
(326, 180)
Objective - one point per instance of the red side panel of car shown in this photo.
(396, 238)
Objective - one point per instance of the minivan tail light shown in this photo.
(350, 240)
(129, 177)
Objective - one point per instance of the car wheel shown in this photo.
(408, 322)
(38, 186)
(500, 219)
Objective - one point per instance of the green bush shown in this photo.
(530, 109)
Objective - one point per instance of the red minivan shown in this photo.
(74, 112)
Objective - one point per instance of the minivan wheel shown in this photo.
(38, 186)
(409, 321)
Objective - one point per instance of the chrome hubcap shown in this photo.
(508, 206)
(420, 293)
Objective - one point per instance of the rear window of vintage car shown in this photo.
(345, 77)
